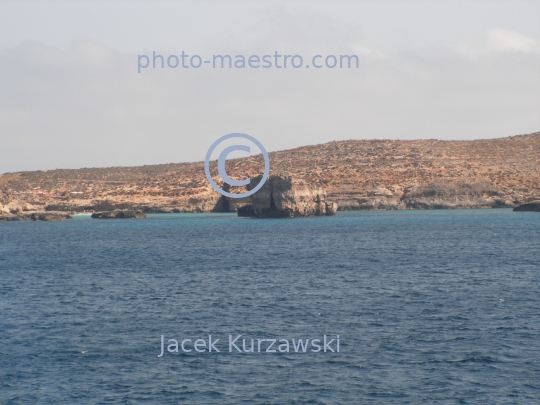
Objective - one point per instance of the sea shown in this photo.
(431, 307)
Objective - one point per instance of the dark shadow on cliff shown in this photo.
(222, 205)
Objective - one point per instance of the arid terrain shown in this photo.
(357, 174)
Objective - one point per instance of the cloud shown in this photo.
(363, 50)
(509, 41)
(87, 106)
(500, 41)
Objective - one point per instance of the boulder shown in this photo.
(283, 197)
(28, 207)
(380, 191)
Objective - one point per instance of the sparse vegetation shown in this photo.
(507, 169)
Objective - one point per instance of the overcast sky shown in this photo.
(71, 97)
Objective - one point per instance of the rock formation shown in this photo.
(530, 206)
(16, 207)
(282, 197)
(16, 210)
(36, 216)
(125, 214)
(436, 194)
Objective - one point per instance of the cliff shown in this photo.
(282, 197)
(357, 174)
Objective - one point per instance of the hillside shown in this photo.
(358, 174)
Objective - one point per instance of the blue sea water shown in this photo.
(432, 307)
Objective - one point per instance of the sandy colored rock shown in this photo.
(331, 208)
(283, 196)
(357, 174)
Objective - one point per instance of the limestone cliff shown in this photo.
(436, 194)
(282, 197)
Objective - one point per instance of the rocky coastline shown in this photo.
(355, 174)
(36, 216)
(124, 214)
(15, 210)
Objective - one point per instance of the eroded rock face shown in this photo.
(451, 194)
(440, 194)
(118, 214)
(331, 208)
(16, 207)
(283, 197)
(12, 209)
(533, 206)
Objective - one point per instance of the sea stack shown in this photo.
(285, 197)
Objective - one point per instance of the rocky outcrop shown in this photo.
(118, 214)
(16, 207)
(36, 216)
(445, 194)
(440, 194)
(331, 208)
(283, 197)
(49, 216)
(16, 210)
(533, 206)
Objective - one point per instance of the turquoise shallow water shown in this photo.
(435, 307)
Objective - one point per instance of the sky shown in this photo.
(71, 95)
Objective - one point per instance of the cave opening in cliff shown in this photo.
(222, 205)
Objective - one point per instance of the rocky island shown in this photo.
(356, 174)
(23, 211)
